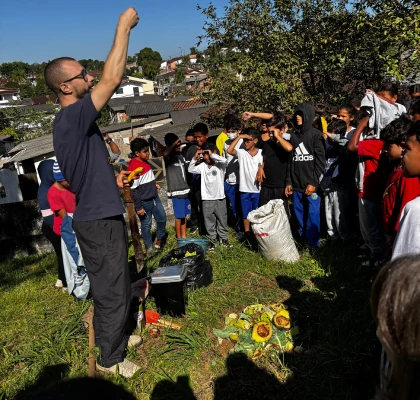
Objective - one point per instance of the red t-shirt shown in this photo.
(399, 191)
(60, 200)
(371, 179)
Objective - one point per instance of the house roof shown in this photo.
(181, 105)
(188, 115)
(44, 99)
(152, 108)
(5, 137)
(122, 127)
(4, 90)
(178, 99)
(32, 148)
(159, 133)
(197, 78)
(119, 103)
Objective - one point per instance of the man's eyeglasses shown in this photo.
(83, 75)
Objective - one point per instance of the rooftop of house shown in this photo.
(31, 148)
(148, 109)
(119, 103)
(4, 90)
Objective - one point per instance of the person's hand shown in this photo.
(245, 136)
(178, 142)
(122, 179)
(309, 190)
(260, 174)
(246, 115)
(141, 212)
(129, 18)
(157, 187)
(288, 190)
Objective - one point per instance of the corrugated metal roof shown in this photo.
(121, 127)
(119, 103)
(148, 109)
(32, 148)
(188, 115)
(180, 130)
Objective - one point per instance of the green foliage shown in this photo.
(179, 75)
(92, 65)
(27, 123)
(150, 61)
(137, 74)
(105, 117)
(277, 53)
(193, 50)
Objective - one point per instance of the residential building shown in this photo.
(8, 95)
(134, 86)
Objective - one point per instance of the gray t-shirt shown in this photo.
(85, 163)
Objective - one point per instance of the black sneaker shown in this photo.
(193, 231)
(225, 243)
(211, 246)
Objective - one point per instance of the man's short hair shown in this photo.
(396, 131)
(251, 132)
(190, 132)
(138, 144)
(54, 75)
(201, 127)
(337, 126)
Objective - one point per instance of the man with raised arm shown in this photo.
(98, 221)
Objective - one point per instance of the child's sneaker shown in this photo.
(59, 284)
(159, 244)
(193, 231)
(211, 246)
(225, 243)
(150, 250)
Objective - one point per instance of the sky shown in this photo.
(37, 31)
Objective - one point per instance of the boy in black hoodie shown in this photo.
(303, 172)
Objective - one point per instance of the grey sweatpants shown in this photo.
(337, 214)
(215, 218)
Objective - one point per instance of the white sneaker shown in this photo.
(58, 284)
(126, 368)
(134, 341)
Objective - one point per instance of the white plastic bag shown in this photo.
(272, 230)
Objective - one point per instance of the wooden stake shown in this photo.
(91, 359)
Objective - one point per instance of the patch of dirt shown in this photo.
(224, 347)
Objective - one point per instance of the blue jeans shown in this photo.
(232, 194)
(153, 208)
(307, 212)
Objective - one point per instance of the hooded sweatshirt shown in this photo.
(45, 172)
(308, 160)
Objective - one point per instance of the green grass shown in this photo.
(43, 339)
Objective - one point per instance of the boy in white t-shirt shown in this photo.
(249, 159)
(212, 169)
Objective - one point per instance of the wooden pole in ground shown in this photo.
(135, 234)
(91, 359)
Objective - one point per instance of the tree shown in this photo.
(265, 53)
(26, 122)
(193, 50)
(179, 75)
(150, 61)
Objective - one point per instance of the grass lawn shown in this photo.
(43, 339)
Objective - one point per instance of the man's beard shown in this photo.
(80, 93)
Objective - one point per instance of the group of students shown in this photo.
(353, 165)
